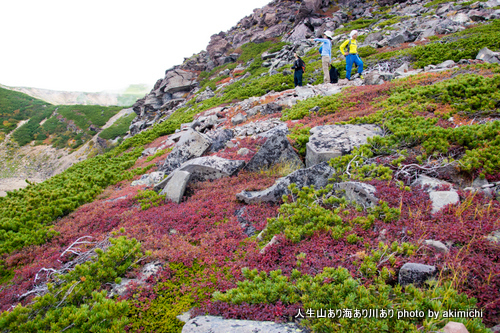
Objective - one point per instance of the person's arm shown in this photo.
(342, 48)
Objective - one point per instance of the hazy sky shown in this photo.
(96, 45)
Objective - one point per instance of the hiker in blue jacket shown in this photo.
(326, 54)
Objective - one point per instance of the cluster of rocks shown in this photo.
(296, 22)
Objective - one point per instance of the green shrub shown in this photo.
(334, 290)
(74, 303)
(462, 45)
(119, 128)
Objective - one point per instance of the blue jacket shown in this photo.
(327, 46)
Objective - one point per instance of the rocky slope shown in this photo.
(366, 205)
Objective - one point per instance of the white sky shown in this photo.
(97, 45)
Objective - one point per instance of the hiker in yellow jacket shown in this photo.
(349, 49)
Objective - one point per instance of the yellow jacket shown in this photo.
(353, 47)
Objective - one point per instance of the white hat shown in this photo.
(354, 32)
(329, 33)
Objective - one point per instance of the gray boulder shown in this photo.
(436, 245)
(374, 37)
(175, 185)
(238, 119)
(316, 175)
(415, 274)
(429, 183)
(300, 33)
(277, 149)
(440, 199)
(271, 108)
(374, 78)
(148, 151)
(245, 224)
(211, 167)
(204, 324)
(360, 193)
(494, 237)
(149, 179)
(191, 145)
(331, 141)
(447, 64)
(488, 56)
(178, 80)
(219, 138)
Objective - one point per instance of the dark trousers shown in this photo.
(297, 78)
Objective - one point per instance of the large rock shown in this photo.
(204, 324)
(317, 175)
(454, 327)
(191, 145)
(488, 56)
(300, 33)
(331, 141)
(218, 46)
(277, 149)
(178, 80)
(245, 224)
(211, 167)
(175, 185)
(360, 193)
(219, 138)
(374, 78)
(441, 199)
(429, 183)
(149, 179)
(494, 237)
(416, 274)
(374, 37)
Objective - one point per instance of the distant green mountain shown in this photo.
(15, 107)
(62, 126)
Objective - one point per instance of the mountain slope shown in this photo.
(39, 140)
(362, 227)
(122, 98)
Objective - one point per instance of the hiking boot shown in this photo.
(361, 77)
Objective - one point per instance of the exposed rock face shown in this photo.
(211, 167)
(440, 199)
(327, 142)
(436, 245)
(219, 139)
(192, 144)
(277, 149)
(488, 56)
(454, 327)
(176, 185)
(149, 179)
(416, 274)
(317, 175)
(148, 270)
(245, 224)
(361, 193)
(205, 324)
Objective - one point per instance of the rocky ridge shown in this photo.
(295, 23)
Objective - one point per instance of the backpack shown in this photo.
(334, 74)
(321, 49)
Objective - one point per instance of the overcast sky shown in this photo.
(97, 45)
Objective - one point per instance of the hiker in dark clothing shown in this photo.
(299, 67)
